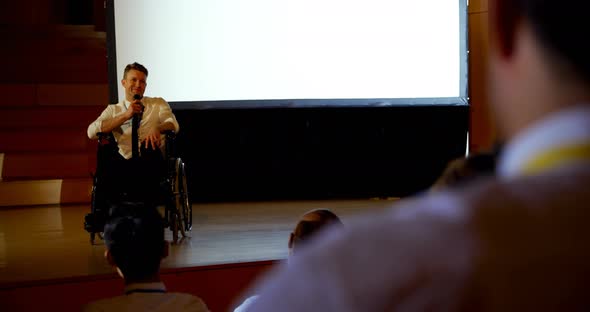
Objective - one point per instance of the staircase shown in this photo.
(54, 84)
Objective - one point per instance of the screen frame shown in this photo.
(462, 100)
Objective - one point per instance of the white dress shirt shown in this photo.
(156, 112)
(566, 128)
(246, 304)
(148, 297)
(512, 244)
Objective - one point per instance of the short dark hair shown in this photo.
(562, 27)
(305, 229)
(462, 171)
(135, 66)
(136, 241)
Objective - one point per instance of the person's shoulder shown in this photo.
(373, 256)
(114, 106)
(246, 304)
(103, 304)
(120, 103)
(189, 302)
(157, 100)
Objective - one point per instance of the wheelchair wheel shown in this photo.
(187, 209)
(181, 215)
(93, 235)
(93, 210)
(174, 225)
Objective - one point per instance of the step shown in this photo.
(73, 94)
(47, 165)
(46, 140)
(44, 117)
(77, 66)
(1, 165)
(18, 94)
(54, 55)
(31, 31)
(45, 192)
(21, 95)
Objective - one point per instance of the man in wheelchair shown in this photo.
(134, 173)
(131, 166)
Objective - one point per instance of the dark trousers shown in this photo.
(136, 179)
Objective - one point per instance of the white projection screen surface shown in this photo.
(237, 53)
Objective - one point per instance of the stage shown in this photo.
(49, 242)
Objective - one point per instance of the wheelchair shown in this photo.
(174, 197)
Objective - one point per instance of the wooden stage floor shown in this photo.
(49, 242)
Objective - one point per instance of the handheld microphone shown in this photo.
(135, 128)
(139, 97)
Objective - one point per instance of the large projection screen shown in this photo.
(275, 53)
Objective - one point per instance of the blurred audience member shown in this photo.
(309, 224)
(468, 169)
(135, 246)
(517, 242)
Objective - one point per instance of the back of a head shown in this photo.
(462, 171)
(311, 223)
(561, 27)
(136, 242)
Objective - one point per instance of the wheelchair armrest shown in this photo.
(105, 138)
(170, 151)
(170, 134)
(106, 135)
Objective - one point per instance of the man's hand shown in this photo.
(134, 108)
(152, 139)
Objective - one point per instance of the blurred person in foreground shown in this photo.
(308, 226)
(514, 242)
(135, 246)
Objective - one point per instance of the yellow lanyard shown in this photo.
(555, 157)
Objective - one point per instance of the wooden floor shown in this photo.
(49, 242)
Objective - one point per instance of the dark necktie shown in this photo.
(135, 135)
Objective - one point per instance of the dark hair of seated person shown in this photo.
(557, 26)
(461, 171)
(312, 222)
(134, 236)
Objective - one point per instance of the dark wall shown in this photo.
(79, 12)
(318, 153)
